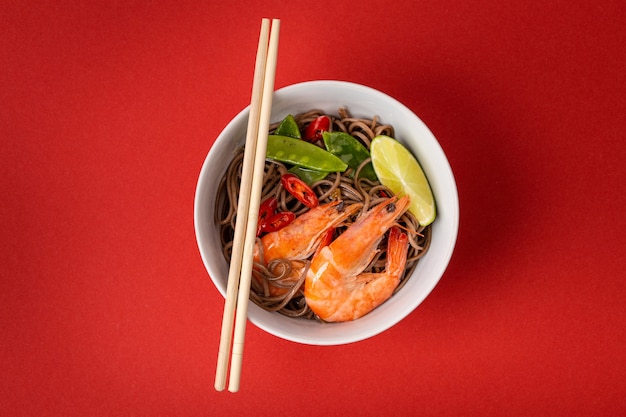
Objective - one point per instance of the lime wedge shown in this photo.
(398, 169)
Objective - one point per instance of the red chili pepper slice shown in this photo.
(277, 221)
(314, 130)
(300, 190)
(266, 209)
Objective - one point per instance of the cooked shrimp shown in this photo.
(335, 287)
(300, 239)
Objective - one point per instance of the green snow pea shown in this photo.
(298, 152)
(307, 175)
(350, 151)
(288, 127)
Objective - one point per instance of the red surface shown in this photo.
(107, 110)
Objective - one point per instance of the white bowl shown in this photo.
(412, 132)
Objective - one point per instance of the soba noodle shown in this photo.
(339, 185)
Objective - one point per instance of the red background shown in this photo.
(107, 111)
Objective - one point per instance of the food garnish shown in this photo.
(288, 127)
(298, 188)
(298, 152)
(398, 169)
(316, 128)
(350, 151)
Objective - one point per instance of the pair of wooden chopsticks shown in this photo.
(240, 273)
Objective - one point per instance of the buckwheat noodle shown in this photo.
(340, 185)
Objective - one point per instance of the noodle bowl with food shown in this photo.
(278, 291)
(278, 284)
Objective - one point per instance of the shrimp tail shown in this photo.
(397, 251)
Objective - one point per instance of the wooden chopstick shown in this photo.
(242, 209)
(240, 272)
(255, 201)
